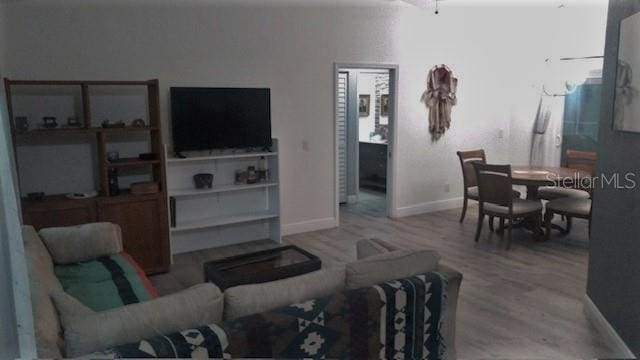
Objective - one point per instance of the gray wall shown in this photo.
(614, 267)
(8, 333)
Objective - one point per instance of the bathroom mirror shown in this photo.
(627, 102)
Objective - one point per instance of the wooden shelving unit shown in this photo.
(143, 218)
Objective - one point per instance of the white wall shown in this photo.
(496, 52)
(16, 323)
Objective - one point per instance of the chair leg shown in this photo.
(464, 209)
(501, 229)
(509, 233)
(479, 226)
(491, 223)
(548, 216)
(538, 232)
(589, 228)
(569, 223)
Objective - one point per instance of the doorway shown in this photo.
(365, 116)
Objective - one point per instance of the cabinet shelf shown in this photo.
(81, 130)
(131, 162)
(220, 157)
(223, 220)
(220, 188)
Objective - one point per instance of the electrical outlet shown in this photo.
(447, 188)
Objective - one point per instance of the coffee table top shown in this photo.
(261, 266)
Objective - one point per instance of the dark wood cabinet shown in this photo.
(58, 211)
(373, 166)
(142, 221)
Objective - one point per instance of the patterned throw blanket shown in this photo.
(108, 282)
(399, 319)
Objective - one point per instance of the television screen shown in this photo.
(219, 118)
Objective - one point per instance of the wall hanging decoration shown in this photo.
(364, 105)
(439, 98)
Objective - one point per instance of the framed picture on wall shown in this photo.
(364, 105)
(384, 105)
(626, 115)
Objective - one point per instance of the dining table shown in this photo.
(534, 177)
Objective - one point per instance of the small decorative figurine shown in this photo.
(73, 121)
(112, 125)
(203, 181)
(252, 176)
(49, 122)
(114, 188)
(113, 155)
(138, 123)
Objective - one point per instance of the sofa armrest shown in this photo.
(86, 330)
(72, 244)
(454, 280)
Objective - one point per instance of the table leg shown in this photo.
(532, 192)
(531, 224)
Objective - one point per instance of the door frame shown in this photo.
(392, 156)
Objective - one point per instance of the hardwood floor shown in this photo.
(522, 303)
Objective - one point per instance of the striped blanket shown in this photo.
(107, 282)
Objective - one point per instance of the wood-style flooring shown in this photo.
(525, 303)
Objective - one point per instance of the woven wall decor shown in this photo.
(439, 98)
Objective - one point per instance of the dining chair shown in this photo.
(467, 159)
(569, 208)
(496, 199)
(579, 160)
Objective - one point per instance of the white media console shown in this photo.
(228, 213)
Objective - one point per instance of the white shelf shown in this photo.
(220, 157)
(223, 220)
(219, 189)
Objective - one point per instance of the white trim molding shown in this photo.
(428, 207)
(309, 225)
(609, 334)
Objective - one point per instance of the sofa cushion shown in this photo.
(42, 282)
(395, 320)
(396, 264)
(86, 331)
(106, 283)
(71, 244)
(370, 247)
(251, 299)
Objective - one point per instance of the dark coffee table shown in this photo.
(260, 267)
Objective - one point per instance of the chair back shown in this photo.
(495, 184)
(467, 159)
(582, 160)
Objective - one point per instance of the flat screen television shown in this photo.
(220, 118)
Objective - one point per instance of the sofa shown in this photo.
(91, 300)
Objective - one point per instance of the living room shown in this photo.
(503, 54)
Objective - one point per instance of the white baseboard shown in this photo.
(428, 207)
(610, 335)
(310, 225)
